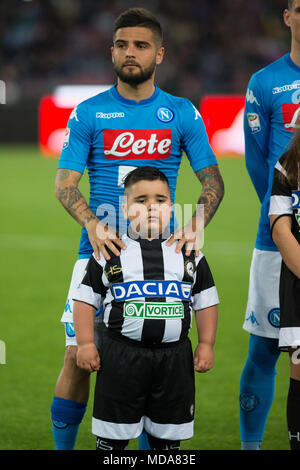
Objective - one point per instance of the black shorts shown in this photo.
(144, 387)
(289, 297)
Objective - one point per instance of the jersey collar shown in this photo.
(291, 63)
(120, 98)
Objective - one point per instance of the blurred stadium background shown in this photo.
(212, 49)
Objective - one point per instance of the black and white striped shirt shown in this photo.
(149, 292)
(285, 199)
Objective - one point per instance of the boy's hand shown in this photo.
(203, 357)
(88, 357)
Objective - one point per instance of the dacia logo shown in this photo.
(130, 290)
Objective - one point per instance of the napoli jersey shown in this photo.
(272, 114)
(111, 135)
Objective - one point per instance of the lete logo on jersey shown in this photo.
(137, 144)
(291, 116)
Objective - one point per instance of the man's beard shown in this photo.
(135, 78)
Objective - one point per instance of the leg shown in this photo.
(70, 400)
(162, 444)
(293, 401)
(257, 389)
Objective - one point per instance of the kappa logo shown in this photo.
(251, 98)
(136, 144)
(116, 115)
(133, 290)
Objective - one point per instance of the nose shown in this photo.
(130, 50)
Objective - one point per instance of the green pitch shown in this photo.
(38, 246)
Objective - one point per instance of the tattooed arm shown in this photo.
(67, 192)
(212, 191)
(210, 199)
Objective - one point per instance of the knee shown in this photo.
(70, 363)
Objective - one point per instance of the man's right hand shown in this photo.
(102, 237)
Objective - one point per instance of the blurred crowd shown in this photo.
(212, 46)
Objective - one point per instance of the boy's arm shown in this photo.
(87, 353)
(286, 242)
(206, 323)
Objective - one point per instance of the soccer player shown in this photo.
(271, 117)
(132, 124)
(145, 373)
(285, 229)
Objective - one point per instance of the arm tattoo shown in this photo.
(63, 174)
(74, 202)
(212, 191)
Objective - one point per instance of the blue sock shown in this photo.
(257, 387)
(66, 417)
(143, 441)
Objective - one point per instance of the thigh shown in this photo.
(170, 406)
(121, 389)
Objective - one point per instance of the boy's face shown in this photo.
(148, 207)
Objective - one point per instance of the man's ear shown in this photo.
(287, 17)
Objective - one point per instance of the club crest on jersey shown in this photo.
(291, 116)
(165, 114)
(133, 290)
(137, 144)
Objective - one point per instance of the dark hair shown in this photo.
(291, 160)
(139, 17)
(290, 4)
(147, 173)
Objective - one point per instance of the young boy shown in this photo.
(145, 369)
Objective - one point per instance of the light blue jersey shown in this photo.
(111, 135)
(272, 114)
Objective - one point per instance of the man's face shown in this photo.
(135, 54)
(292, 20)
(148, 207)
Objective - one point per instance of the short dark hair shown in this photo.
(139, 17)
(147, 173)
(290, 4)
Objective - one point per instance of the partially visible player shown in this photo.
(285, 229)
(146, 369)
(132, 124)
(272, 114)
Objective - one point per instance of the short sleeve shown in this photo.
(78, 138)
(194, 138)
(204, 292)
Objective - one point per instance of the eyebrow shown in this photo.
(156, 195)
(137, 42)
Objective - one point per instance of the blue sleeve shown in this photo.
(77, 141)
(194, 138)
(256, 132)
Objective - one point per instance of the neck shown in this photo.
(139, 92)
(295, 53)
